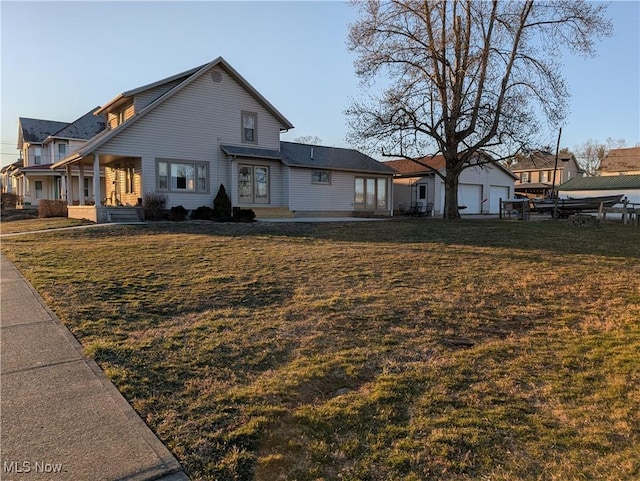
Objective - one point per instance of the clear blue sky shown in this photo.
(60, 59)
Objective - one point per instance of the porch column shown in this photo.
(97, 195)
(81, 183)
(67, 184)
(25, 190)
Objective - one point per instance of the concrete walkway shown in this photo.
(61, 418)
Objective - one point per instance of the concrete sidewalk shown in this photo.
(61, 418)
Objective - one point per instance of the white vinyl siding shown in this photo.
(192, 124)
(334, 197)
(474, 179)
(497, 192)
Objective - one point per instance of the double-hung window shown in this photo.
(182, 176)
(39, 189)
(37, 156)
(249, 127)
(62, 151)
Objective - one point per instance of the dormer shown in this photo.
(129, 103)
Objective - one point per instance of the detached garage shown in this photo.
(480, 187)
(627, 185)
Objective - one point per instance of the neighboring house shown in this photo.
(41, 144)
(480, 187)
(185, 135)
(621, 162)
(535, 172)
(6, 176)
(629, 185)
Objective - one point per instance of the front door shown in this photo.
(253, 184)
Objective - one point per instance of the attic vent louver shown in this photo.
(216, 76)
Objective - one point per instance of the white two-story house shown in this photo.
(185, 135)
(41, 144)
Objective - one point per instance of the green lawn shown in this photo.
(401, 350)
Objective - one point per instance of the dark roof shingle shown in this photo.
(337, 158)
(313, 156)
(540, 160)
(36, 130)
(85, 128)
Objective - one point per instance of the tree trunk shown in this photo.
(451, 195)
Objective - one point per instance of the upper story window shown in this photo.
(37, 156)
(249, 127)
(62, 151)
(544, 176)
(524, 177)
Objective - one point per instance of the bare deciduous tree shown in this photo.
(464, 76)
(591, 153)
(308, 139)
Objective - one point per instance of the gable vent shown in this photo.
(216, 76)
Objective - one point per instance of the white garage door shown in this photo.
(471, 196)
(497, 192)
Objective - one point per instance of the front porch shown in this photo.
(118, 199)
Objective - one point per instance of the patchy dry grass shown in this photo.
(30, 225)
(402, 350)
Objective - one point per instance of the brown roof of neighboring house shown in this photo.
(407, 166)
(540, 160)
(620, 160)
(427, 165)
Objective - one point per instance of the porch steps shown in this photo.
(273, 213)
(124, 215)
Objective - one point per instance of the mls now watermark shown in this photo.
(26, 467)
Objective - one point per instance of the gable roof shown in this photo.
(35, 131)
(410, 168)
(620, 160)
(106, 135)
(609, 182)
(541, 160)
(84, 128)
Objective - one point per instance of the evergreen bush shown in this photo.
(178, 213)
(203, 212)
(222, 204)
(243, 215)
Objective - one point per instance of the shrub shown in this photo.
(9, 200)
(178, 213)
(153, 206)
(52, 208)
(222, 204)
(243, 215)
(203, 212)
